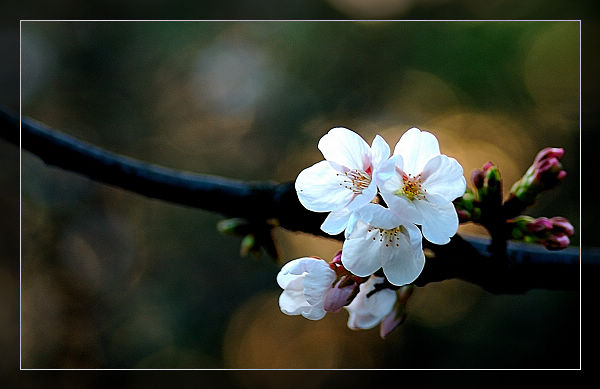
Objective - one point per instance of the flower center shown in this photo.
(411, 187)
(356, 180)
(388, 237)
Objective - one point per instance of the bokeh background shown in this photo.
(111, 279)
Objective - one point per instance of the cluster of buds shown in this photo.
(486, 194)
(553, 232)
(545, 173)
(488, 183)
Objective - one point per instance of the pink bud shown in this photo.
(392, 321)
(549, 152)
(478, 177)
(487, 166)
(560, 225)
(556, 242)
(338, 258)
(339, 296)
(539, 225)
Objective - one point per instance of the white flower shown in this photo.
(343, 182)
(382, 239)
(420, 183)
(367, 310)
(304, 282)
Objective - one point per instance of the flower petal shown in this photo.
(292, 302)
(314, 313)
(416, 147)
(317, 281)
(336, 221)
(380, 151)
(403, 207)
(387, 174)
(347, 148)
(406, 262)
(361, 254)
(366, 312)
(443, 175)
(360, 199)
(378, 216)
(321, 189)
(440, 221)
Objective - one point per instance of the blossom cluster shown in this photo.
(384, 203)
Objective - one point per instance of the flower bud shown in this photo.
(341, 294)
(398, 314)
(465, 206)
(345, 287)
(539, 225)
(477, 177)
(545, 173)
(553, 233)
(249, 245)
(556, 242)
(562, 225)
(234, 226)
(392, 321)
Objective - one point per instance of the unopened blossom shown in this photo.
(383, 239)
(343, 182)
(370, 306)
(545, 173)
(419, 184)
(398, 313)
(345, 286)
(304, 282)
(553, 232)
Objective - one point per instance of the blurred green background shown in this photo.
(111, 279)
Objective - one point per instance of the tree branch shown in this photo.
(524, 266)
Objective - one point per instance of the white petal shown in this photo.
(317, 281)
(387, 175)
(379, 216)
(380, 151)
(314, 313)
(407, 261)
(416, 147)
(361, 254)
(297, 267)
(367, 195)
(321, 189)
(351, 223)
(443, 175)
(366, 312)
(292, 302)
(336, 221)
(440, 221)
(403, 207)
(346, 148)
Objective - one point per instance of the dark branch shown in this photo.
(524, 267)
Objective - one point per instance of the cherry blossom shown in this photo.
(305, 281)
(383, 239)
(370, 307)
(420, 184)
(343, 182)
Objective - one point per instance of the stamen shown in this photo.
(411, 187)
(355, 180)
(391, 237)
